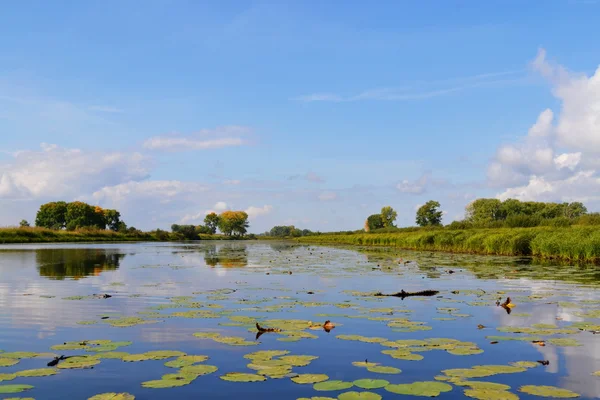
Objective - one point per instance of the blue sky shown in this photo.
(308, 113)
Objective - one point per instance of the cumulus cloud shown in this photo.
(225, 136)
(254, 212)
(327, 196)
(164, 190)
(55, 171)
(414, 187)
(557, 158)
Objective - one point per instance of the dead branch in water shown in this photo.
(402, 294)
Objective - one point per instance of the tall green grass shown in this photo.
(580, 243)
(40, 235)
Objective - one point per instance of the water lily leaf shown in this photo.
(242, 377)
(19, 354)
(297, 361)
(113, 396)
(114, 355)
(206, 335)
(597, 373)
(548, 391)
(277, 372)
(482, 385)
(463, 351)
(14, 388)
(310, 378)
(184, 361)
(468, 372)
(332, 385)
(266, 354)
(371, 383)
(136, 357)
(359, 396)
(166, 383)
(426, 389)
(37, 372)
(364, 364)
(401, 354)
(562, 342)
(78, 362)
(380, 369)
(8, 362)
(86, 322)
(500, 369)
(7, 377)
(162, 354)
(490, 394)
(71, 346)
(198, 370)
(525, 364)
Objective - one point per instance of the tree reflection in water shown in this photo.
(76, 263)
(226, 255)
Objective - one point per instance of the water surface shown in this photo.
(39, 285)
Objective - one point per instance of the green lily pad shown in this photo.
(19, 354)
(562, 342)
(136, 357)
(425, 389)
(297, 361)
(206, 335)
(463, 351)
(14, 388)
(37, 372)
(490, 394)
(310, 378)
(8, 362)
(380, 369)
(114, 355)
(548, 391)
(468, 372)
(359, 396)
(500, 369)
(7, 377)
(482, 385)
(402, 354)
(364, 364)
(162, 354)
(276, 372)
(332, 385)
(113, 396)
(242, 377)
(266, 354)
(78, 362)
(525, 364)
(166, 383)
(71, 346)
(371, 383)
(184, 361)
(198, 370)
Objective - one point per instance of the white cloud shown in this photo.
(415, 187)
(61, 172)
(220, 206)
(537, 167)
(226, 136)
(328, 196)
(254, 212)
(163, 190)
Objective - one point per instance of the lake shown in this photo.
(205, 298)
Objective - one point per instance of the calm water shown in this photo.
(34, 314)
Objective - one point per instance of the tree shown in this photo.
(483, 210)
(429, 215)
(203, 229)
(82, 215)
(212, 222)
(112, 219)
(233, 223)
(187, 231)
(388, 216)
(24, 223)
(373, 222)
(52, 215)
(575, 210)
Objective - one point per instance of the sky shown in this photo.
(314, 113)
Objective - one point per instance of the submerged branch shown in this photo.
(402, 294)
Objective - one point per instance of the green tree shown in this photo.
(429, 215)
(388, 216)
(373, 222)
(203, 229)
(233, 223)
(481, 211)
(82, 215)
(212, 222)
(52, 215)
(187, 231)
(575, 210)
(24, 223)
(112, 219)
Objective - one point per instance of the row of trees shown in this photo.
(229, 223)
(288, 231)
(489, 210)
(385, 219)
(77, 214)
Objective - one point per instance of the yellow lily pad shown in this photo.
(332, 385)
(490, 394)
(371, 383)
(14, 388)
(380, 369)
(37, 372)
(78, 362)
(425, 389)
(242, 377)
(359, 396)
(7, 377)
(548, 391)
(310, 378)
(113, 396)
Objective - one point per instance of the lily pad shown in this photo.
(8, 362)
(297, 361)
(563, 342)
(78, 362)
(37, 372)
(184, 361)
(310, 378)
(114, 355)
(468, 372)
(332, 385)
(371, 383)
(162, 354)
(500, 369)
(525, 364)
(113, 396)
(380, 369)
(490, 394)
(482, 385)
(136, 357)
(364, 364)
(242, 377)
(359, 396)
(266, 354)
(166, 383)
(7, 377)
(548, 391)
(425, 389)
(198, 370)
(14, 388)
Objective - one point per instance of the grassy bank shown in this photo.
(42, 235)
(578, 243)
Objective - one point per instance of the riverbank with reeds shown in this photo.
(575, 243)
